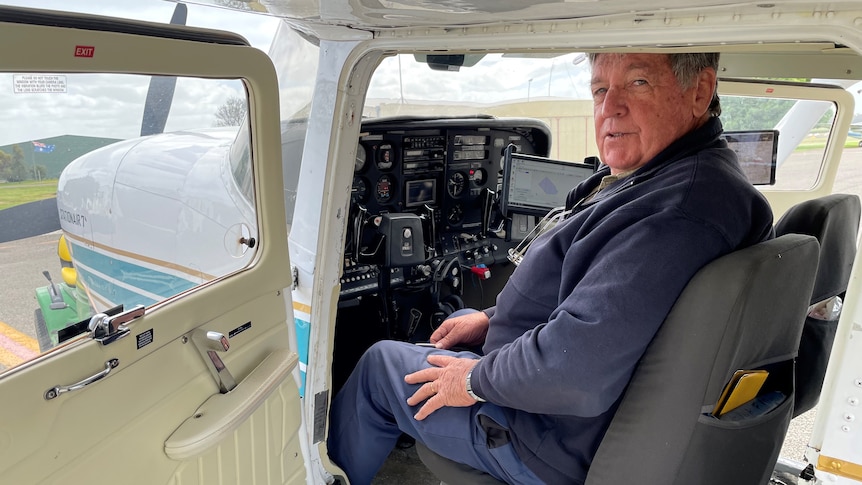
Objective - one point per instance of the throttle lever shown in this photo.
(432, 226)
(487, 206)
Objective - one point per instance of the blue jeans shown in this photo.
(370, 413)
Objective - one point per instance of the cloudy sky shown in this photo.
(111, 106)
(258, 29)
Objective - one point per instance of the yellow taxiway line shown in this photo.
(16, 347)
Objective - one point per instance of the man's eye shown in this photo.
(639, 82)
(599, 91)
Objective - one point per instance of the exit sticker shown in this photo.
(84, 50)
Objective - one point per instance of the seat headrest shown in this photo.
(834, 221)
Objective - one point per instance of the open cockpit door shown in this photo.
(182, 369)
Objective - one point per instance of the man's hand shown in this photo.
(445, 384)
(469, 329)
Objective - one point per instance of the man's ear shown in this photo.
(704, 91)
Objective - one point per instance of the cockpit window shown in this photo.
(296, 61)
(554, 87)
(110, 197)
(808, 123)
(240, 162)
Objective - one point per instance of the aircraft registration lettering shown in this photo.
(73, 218)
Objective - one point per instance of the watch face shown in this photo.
(470, 387)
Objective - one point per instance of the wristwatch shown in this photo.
(470, 387)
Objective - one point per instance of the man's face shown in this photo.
(640, 108)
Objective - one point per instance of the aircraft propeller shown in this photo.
(160, 93)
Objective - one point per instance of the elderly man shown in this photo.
(578, 313)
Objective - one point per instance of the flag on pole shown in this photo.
(40, 147)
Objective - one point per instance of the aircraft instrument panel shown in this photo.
(424, 230)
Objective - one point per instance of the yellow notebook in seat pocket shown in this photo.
(743, 387)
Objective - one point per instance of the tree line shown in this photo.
(13, 167)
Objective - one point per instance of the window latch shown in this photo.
(107, 329)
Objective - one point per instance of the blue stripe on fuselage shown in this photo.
(148, 280)
(111, 292)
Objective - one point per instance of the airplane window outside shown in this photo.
(93, 215)
(240, 163)
(554, 87)
(849, 178)
(296, 62)
(801, 168)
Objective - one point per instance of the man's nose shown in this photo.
(614, 103)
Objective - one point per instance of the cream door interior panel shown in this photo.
(114, 430)
(222, 414)
(265, 449)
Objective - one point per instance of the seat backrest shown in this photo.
(743, 311)
(834, 221)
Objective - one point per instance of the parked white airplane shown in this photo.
(365, 197)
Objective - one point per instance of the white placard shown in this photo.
(39, 83)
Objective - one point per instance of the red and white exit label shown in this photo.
(84, 50)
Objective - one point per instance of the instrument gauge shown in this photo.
(385, 157)
(383, 190)
(478, 176)
(361, 156)
(454, 215)
(359, 190)
(455, 184)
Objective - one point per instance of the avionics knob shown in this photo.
(453, 279)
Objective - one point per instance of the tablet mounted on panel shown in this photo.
(534, 185)
(757, 151)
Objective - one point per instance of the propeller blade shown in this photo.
(160, 94)
(181, 12)
(29, 220)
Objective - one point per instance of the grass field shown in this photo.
(12, 194)
(811, 143)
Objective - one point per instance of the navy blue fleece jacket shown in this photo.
(578, 313)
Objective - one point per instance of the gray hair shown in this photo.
(686, 67)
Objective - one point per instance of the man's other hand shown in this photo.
(468, 330)
(444, 384)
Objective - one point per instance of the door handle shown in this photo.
(209, 344)
(57, 390)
